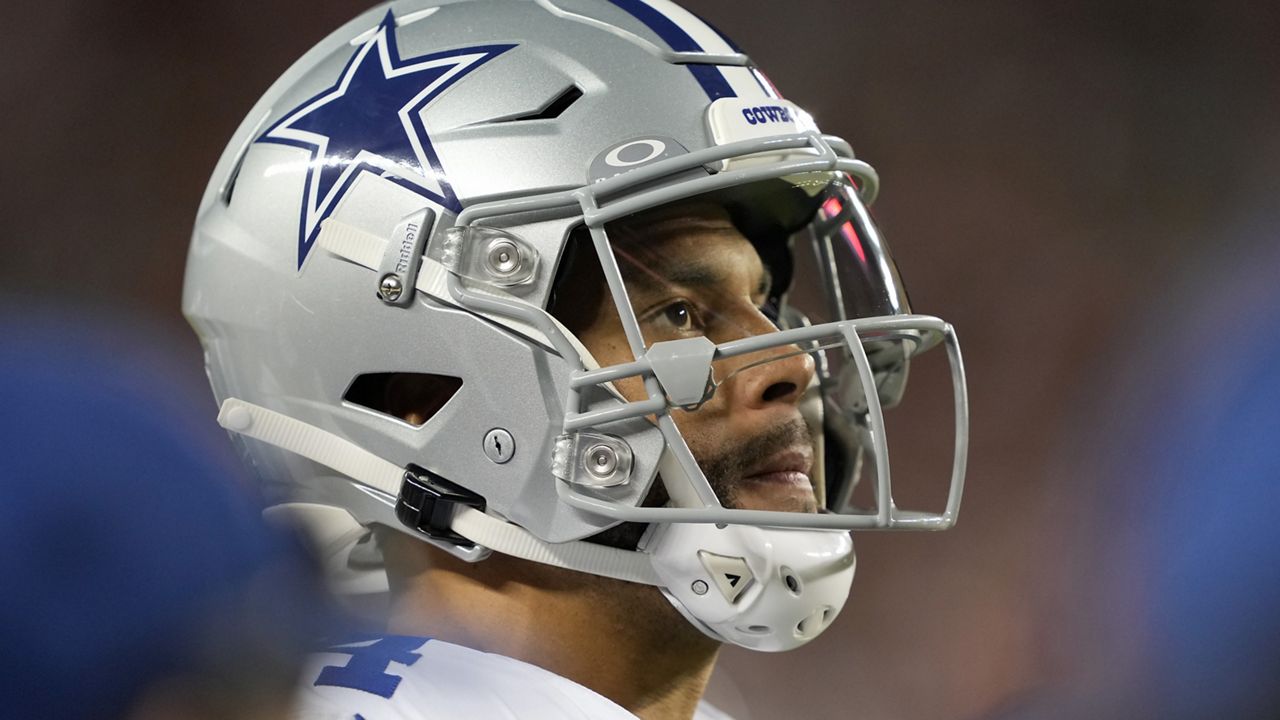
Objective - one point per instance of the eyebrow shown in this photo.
(692, 276)
(661, 275)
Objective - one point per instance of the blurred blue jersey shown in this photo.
(132, 552)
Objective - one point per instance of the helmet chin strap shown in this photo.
(761, 588)
(353, 461)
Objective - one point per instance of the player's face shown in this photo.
(695, 274)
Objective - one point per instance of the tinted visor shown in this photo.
(843, 267)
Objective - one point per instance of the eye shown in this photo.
(673, 318)
(680, 315)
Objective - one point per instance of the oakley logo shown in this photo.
(635, 152)
(766, 114)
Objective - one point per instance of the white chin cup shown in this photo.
(768, 589)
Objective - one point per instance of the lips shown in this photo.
(789, 467)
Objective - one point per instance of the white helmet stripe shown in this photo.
(745, 84)
(706, 36)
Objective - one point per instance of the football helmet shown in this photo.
(512, 275)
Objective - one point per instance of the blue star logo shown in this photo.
(371, 121)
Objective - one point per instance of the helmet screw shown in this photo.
(499, 446)
(700, 587)
(503, 258)
(390, 287)
(601, 460)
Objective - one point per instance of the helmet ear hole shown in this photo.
(791, 581)
(412, 397)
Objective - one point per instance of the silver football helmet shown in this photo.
(516, 275)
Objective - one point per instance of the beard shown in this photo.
(724, 470)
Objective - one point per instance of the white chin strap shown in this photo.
(787, 588)
(364, 467)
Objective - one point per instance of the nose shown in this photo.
(774, 377)
(777, 382)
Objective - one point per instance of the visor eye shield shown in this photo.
(840, 302)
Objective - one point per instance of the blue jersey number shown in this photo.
(367, 668)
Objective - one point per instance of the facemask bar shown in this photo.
(817, 153)
(848, 334)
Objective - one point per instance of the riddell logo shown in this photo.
(766, 114)
(406, 247)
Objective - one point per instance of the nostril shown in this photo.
(778, 390)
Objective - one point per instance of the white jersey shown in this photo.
(398, 677)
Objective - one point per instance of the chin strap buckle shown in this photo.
(427, 501)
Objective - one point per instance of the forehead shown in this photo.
(683, 245)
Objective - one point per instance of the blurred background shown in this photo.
(1087, 190)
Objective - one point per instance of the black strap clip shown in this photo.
(427, 502)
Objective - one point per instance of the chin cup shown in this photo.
(768, 589)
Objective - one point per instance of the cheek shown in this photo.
(704, 430)
(631, 388)
(611, 348)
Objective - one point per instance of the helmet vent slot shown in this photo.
(791, 581)
(229, 185)
(229, 189)
(412, 397)
(553, 109)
